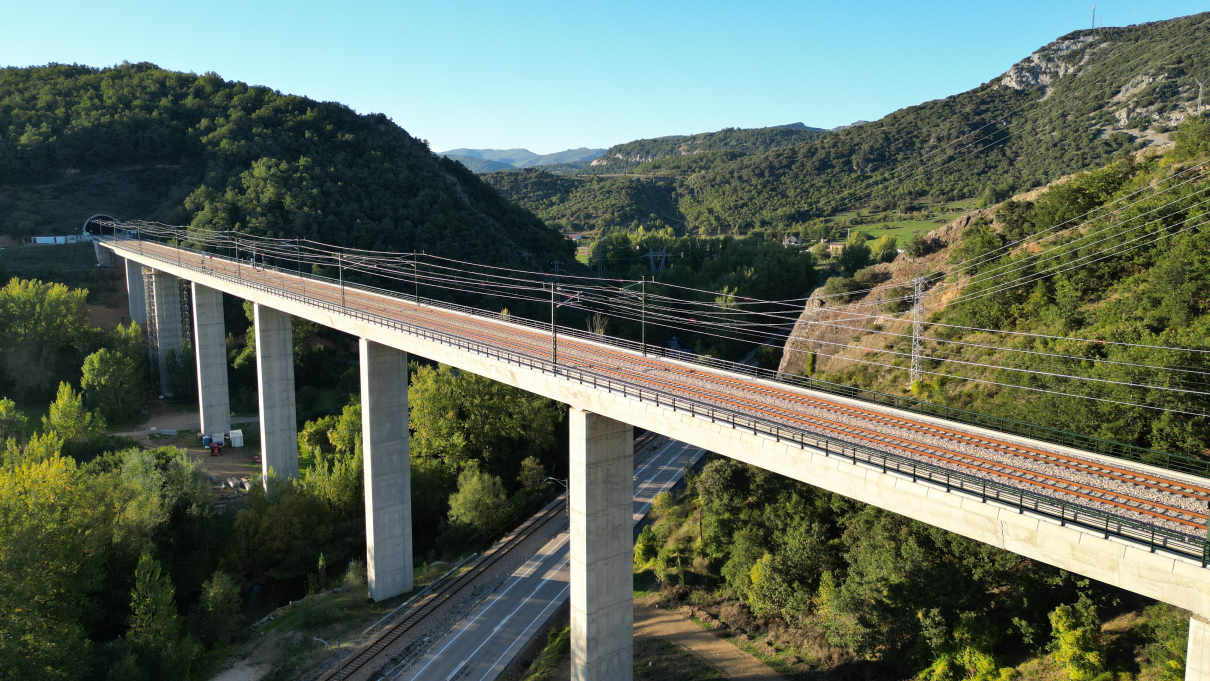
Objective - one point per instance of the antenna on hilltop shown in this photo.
(1094, 16)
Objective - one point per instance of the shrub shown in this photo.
(840, 289)
(917, 246)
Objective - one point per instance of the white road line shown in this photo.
(541, 616)
(504, 621)
(495, 599)
(664, 487)
(651, 459)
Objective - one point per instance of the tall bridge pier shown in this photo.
(1148, 559)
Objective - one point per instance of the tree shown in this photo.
(69, 419)
(112, 383)
(533, 475)
(218, 615)
(46, 331)
(460, 417)
(49, 564)
(315, 438)
(155, 625)
(1076, 640)
(479, 499)
(917, 246)
(855, 254)
(13, 423)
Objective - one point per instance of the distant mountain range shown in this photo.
(492, 160)
(1073, 104)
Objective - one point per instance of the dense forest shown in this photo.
(1071, 105)
(119, 562)
(139, 142)
(820, 586)
(574, 203)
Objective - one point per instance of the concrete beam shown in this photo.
(210, 348)
(388, 474)
(166, 300)
(275, 382)
(136, 294)
(601, 491)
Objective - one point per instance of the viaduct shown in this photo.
(611, 389)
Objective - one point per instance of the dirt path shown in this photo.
(652, 622)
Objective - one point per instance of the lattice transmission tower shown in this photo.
(917, 328)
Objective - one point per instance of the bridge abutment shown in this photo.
(601, 494)
(136, 294)
(210, 349)
(388, 486)
(275, 382)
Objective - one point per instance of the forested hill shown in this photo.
(140, 142)
(1071, 105)
(624, 157)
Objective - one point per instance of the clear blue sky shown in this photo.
(548, 76)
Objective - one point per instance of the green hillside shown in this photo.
(629, 156)
(1117, 255)
(577, 203)
(140, 142)
(1073, 104)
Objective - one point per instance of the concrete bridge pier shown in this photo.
(275, 383)
(210, 348)
(602, 550)
(387, 469)
(136, 295)
(1197, 656)
(166, 305)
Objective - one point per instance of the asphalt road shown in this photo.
(486, 641)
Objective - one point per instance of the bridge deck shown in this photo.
(1093, 489)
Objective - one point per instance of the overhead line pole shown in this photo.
(643, 317)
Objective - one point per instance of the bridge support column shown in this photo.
(388, 475)
(166, 304)
(601, 491)
(210, 347)
(1197, 657)
(275, 380)
(136, 295)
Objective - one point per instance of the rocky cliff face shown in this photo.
(1056, 60)
(840, 335)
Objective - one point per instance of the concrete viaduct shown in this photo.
(604, 408)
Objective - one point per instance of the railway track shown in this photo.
(1186, 518)
(368, 656)
(1136, 492)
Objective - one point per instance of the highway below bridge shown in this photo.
(485, 642)
(1141, 527)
